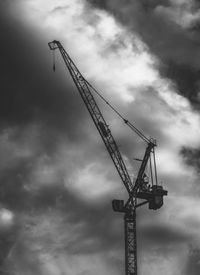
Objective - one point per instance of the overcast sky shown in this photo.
(56, 178)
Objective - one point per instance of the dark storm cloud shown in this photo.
(37, 96)
(146, 4)
(193, 264)
(30, 92)
(187, 79)
(98, 227)
(33, 96)
(191, 157)
(7, 240)
(26, 261)
(62, 209)
(175, 45)
(97, 232)
(163, 235)
(30, 95)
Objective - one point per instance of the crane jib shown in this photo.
(84, 89)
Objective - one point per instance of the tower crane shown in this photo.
(137, 189)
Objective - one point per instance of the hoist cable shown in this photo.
(127, 122)
(155, 168)
(54, 62)
(151, 171)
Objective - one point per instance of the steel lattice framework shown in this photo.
(130, 244)
(85, 90)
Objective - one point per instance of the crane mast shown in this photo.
(153, 195)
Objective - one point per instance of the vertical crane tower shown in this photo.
(151, 193)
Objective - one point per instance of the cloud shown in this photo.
(164, 261)
(193, 261)
(164, 235)
(191, 157)
(49, 240)
(56, 175)
(167, 28)
(183, 13)
(187, 79)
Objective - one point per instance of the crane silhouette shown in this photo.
(140, 188)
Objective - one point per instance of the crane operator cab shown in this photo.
(152, 193)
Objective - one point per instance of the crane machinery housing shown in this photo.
(140, 188)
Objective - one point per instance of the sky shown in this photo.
(56, 179)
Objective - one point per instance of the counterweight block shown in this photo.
(118, 205)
